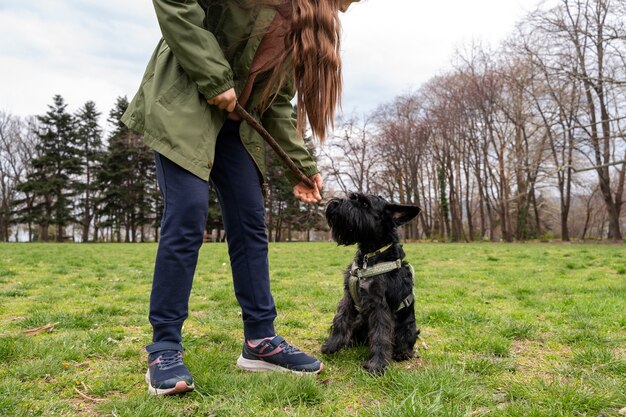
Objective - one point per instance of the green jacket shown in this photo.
(206, 49)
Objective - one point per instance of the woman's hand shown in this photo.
(225, 101)
(309, 195)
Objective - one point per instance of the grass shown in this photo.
(512, 330)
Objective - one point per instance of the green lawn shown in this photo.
(512, 330)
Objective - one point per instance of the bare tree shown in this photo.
(348, 157)
(402, 142)
(17, 147)
(595, 36)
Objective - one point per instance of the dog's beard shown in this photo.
(352, 231)
(343, 237)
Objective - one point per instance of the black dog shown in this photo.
(378, 305)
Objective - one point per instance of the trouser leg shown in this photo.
(182, 230)
(238, 184)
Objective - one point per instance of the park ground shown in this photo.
(507, 330)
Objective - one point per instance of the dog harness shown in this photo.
(359, 277)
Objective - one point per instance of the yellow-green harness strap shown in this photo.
(357, 275)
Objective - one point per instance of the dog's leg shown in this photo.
(405, 335)
(359, 330)
(341, 330)
(380, 334)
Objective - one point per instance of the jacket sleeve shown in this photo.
(279, 121)
(197, 49)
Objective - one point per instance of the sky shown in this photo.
(97, 50)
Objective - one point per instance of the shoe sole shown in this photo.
(262, 366)
(181, 387)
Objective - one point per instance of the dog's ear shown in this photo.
(402, 213)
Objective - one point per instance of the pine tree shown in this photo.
(280, 200)
(214, 217)
(111, 177)
(285, 212)
(127, 179)
(51, 181)
(310, 216)
(89, 143)
(144, 188)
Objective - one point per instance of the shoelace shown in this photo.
(170, 360)
(287, 348)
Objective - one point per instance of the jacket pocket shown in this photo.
(173, 80)
(181, 85)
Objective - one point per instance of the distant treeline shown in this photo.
(61, 179)
(527, 141)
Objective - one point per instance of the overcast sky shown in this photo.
(97, 50)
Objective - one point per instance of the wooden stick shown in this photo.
(46, 328)
(87, 397)
(272, 142)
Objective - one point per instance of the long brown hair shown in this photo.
(312, 47)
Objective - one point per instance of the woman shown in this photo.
(214, 53)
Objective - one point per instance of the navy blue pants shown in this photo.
(237, 181)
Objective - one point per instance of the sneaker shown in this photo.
(167, 374)
(275, 354)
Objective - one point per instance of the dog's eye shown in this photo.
(364, 203)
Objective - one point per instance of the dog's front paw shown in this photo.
(375, 366)
(403, 355)
(330, 346)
